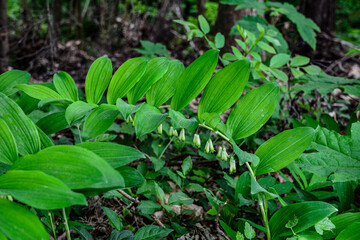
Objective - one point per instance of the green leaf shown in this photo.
(249, 231)
(147, 119)
(179, 198)
(341, 222)
(244, 156)
(186, 23)
(44, 139)
(151, 232)
(132, 177)
(252, 111)
(324, 224)
(121, 235)
(39, 190)
(17, 222)
(180, 121)
(279, 60)
(116, 155)
(279, 74)
(299, 61)
(225, 88)
(352, 51)
(156, 68)
(52, 123)
(65, 86)
(231, 233)
(97, 79)
(164, 89)
(266, 47)
(148, 207)
(10, 79)
(77, 111)
(219, 40)
(204, 25)
(158, 163)
(312, 70)
(186, 166)
(125, 78)
(38, 91)
(23, 129)
(350, 233)
(114, 219)
(73, 165)
(308, 214)
(126, 109)
(99, 120)
(8, 148)
(281, 150)
(293, 221)
(335, 154)
(194, 79)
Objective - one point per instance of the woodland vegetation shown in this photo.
(193, 119)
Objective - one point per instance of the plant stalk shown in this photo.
(52, 224)
(68, 237)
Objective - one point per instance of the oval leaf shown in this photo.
(156, 68)
(65, 86)
(17, 222)
(127, 75)
(252, 111)
(38, 91)
(39, 190)
(225, 88)
(147, 119)
(116, 155)
(151, 232)
(307, 213)
(99, 121)
(77, 167)
(194, 79)
(350, 233)
(77, 111)
(281, 150)
(12, 78)
(8, 148)
(164, 89)
(52, 123)
(23, 129)
(97, 79)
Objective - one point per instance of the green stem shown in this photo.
(52, 224)
(215, 131)
(171, 139)
(68, 237)
(79, 132)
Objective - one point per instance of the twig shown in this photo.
(337, 62)
(218, 223)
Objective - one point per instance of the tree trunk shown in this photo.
(200, 4)
(4, 42)
(57, 15)
(322, 12)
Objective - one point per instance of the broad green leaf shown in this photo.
(65, 86)
(350, 233)
(243, 188)
(345, 194)
(324, 225)
(204, 25)
(180, 121)
(27, 103)
(158, 163)
(194, 79)
(252, 111)
(99, 120)
(281, 150)
(249, 231)
(8, 148)
(52, 123)
(156, 68)
(148, 207)
(126, 109)
(39, 190)
(231, 233)
(266, 47)
(10, 79)
(114, 219)
(279, 74)
(225, 88)
(56, 101)
(97, 79)
(17, 222)
(23, 129)
(279, 60)
(219, 40)
(299, 61)
(312, 70)
(164, 89)
(180, 198)
(76, 111)
(214, 121)
(352, 51)
(335, 154)
(132, 177)
(244, 156)
(151, 232)
(185, 23)
(186, 166)
(116, 155)
(147, 119)
(121, 235)
(127, 75)
(308, 214)
(38, 91)
(44, 139)
(73, 165)
(341, 222)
